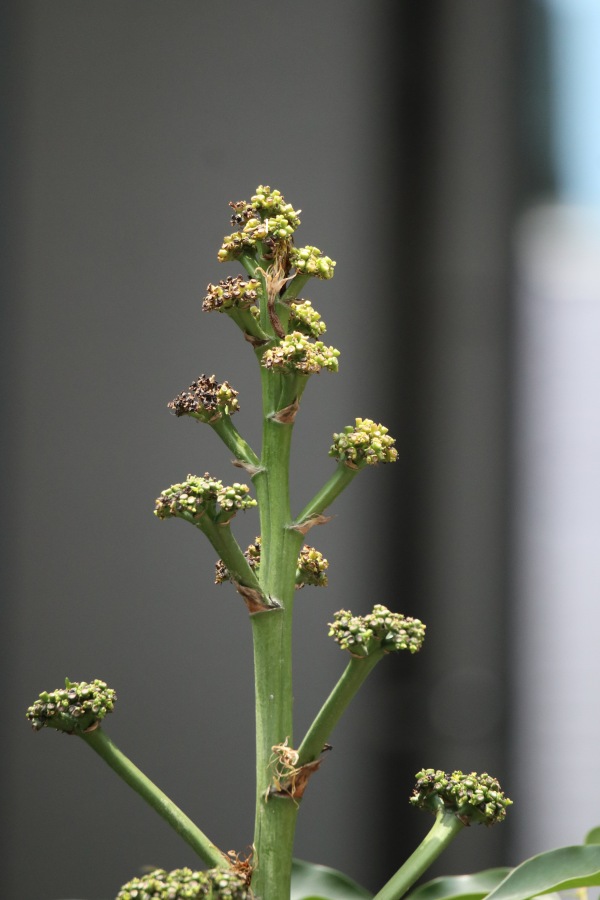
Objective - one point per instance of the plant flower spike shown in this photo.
(284, 332)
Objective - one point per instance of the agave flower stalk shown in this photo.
(285, 333)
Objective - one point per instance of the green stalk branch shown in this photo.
(233, 440)
(332, 710)
(99, 741)
(222, 539)
(443, 832)
(294, 287)
(340, 479)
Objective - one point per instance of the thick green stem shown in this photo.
(272, 632)
(332, 710)
(444, 830)
(125, 769)
(340, 479)
(233, 440)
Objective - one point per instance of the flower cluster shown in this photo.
(184, 884)
(231, 293)
(310, 261)
(266, 218)
(76, 707)
(380, 630)
(296, 353)
(197, 496)
(365, 443)
(269, 203)
(312, 568)
(305, 318)
(473, 797)
(206, 400)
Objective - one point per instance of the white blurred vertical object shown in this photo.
(558, 529)
(557, 638)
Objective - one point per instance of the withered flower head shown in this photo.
(206, 400)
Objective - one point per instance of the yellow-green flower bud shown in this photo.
(198, 496)
(78, 706)
(296, 353)
(271, 203)
(380, 630)
(312, 568)
(306, 319)
(310, 261)
(367, 443)
(472, 797)
(206, 400)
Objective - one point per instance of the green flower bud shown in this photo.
(198, 496)
(472, 797)
(380, 630)
(184, 884)
(304, 318)
(232, 293)
(310, 261)
(77, 707)
(270, 203)
(367, 443)
(296, 353)
(206, 400)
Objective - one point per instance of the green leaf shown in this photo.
(557, 870)
(593, 836)
(313, 882)
(461, 887)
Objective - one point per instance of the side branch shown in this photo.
(234, 442)
(340, 479)
(99, 741)
(444, 830)
(332, 710)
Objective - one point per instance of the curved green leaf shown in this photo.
(461, 887)
(557, 870)
(313, 882)
(593, 836)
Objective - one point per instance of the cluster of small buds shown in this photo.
(472, 797)
(76, 707)
(232, 292)
(380, 630)
(310, 261)
(310, 571)
(296, 353)
(184, 884)
(198, 495)
(305, 318)
(312, 568)
(206, 400)
(271, 203)
(235, 244)
(365, 443)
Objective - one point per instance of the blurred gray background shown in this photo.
(414, 137)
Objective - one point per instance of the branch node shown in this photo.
(304, 527)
